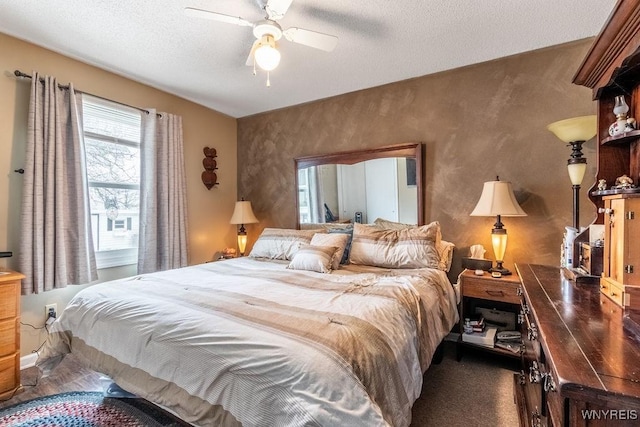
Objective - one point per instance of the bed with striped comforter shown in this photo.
(250, 342)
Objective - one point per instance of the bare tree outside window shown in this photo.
(112, 152)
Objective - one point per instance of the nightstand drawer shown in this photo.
(8, 336)
(493, 290)
(613, 290)
(9, 297)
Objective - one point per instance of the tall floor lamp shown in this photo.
(575, 131)
(243, 214)
(497, 199)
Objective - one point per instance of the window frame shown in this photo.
(114, 257)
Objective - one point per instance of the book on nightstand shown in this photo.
(486, 338)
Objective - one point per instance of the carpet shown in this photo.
(85, 409)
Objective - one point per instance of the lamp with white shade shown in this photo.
(497, 199)
(575, 131)
(243, 214)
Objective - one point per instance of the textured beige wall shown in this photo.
(476, 122)
(209, 210)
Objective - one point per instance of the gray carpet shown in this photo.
(477, 391)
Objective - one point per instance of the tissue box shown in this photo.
(476, 263)
(486, 338)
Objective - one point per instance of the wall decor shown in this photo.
(209, 177)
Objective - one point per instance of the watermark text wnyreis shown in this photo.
(609, 414)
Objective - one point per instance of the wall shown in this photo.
(209, 210)
(476, 122)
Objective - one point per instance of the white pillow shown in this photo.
(444, 248)
(280, 243)
(445, 253)
(413, 247)
(337, 240)
(314, 258)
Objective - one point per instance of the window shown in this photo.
(112, 147)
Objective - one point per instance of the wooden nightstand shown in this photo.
(492, 293)
(9, 333)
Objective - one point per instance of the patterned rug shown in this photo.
(85, 409)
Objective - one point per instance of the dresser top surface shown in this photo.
(584, 331)
(6, 276)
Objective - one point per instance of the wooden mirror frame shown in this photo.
(407, 150)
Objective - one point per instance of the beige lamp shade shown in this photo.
(576, 172)
(581, 128)
(243, 214)
(497, 198)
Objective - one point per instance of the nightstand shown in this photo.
(10, 283)
(487, 292)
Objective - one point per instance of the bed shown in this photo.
(257, 341)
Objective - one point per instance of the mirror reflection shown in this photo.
(360, 192)
(361, 186)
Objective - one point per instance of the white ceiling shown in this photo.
(380, 41)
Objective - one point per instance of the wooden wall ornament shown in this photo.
(209, 177)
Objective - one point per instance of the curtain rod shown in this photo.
(19, 73)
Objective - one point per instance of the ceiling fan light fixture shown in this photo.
(266, 55)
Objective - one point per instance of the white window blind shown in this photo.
(112, 147)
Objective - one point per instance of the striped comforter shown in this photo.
(249, 342)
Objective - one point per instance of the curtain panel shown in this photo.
(163, 202)
(56, 248)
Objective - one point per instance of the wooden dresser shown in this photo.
(9, 333)
(582, 359)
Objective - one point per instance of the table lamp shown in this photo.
(243, 214)
(497, 199)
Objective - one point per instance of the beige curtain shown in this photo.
(163, 200)
(56, 248)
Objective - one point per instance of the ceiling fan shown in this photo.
(267, 32)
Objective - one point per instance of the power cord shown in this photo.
(50, 319)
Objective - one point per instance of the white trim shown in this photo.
(28, 361)
(115, 258)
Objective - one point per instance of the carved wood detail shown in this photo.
(209, 177)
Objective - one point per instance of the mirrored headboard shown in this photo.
(361, 185)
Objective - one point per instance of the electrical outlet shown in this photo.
(49, 307)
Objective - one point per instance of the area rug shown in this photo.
(85, 409)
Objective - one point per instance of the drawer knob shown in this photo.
(534, 373)
(536, 419)
(532, 332)
(494, 293)
(522, 378)
(549, 383)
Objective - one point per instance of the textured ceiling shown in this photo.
(380, 41)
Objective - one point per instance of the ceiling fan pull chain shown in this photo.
(254, 66)
(268, 80)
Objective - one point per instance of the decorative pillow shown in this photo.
(337, 240)
(385, 223)
(445, 253)
(314, 258)
(347, 231)
(325, 226)
(413, 247)
(445, 249)
(280, 243)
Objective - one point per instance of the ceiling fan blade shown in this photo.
(277, 8)
(214, 16)
(250, 61)
(311, 38)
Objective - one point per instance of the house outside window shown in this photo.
(112, 147)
